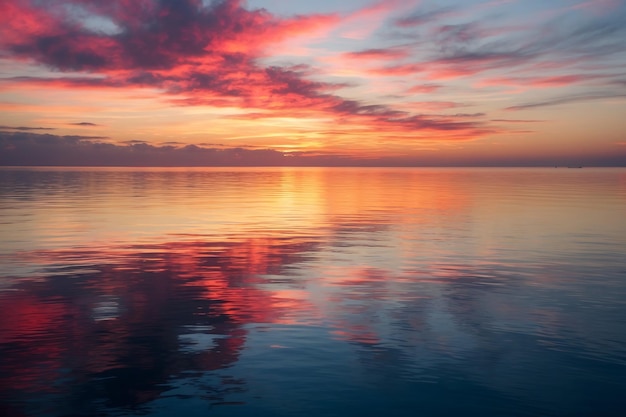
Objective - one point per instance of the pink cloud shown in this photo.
(377, 54)
(365, 21)
(551, 81)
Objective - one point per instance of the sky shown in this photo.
(279, 82)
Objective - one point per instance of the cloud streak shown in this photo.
(24, 128)
(54, 150)
(569, 99)
(87, 124)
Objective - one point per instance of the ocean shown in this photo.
(312, 291)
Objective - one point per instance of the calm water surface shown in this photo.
(312, 292)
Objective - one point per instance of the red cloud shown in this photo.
(198, 54)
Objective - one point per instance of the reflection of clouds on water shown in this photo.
(487, 325)
(132, 329)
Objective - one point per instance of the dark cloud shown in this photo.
(443, 123)
(133, 142)
(21, 148)
(89, 124)
(288, 82)
(64, 81)
(468, 115)
(353, 107)
(24, 128)
(32, 149)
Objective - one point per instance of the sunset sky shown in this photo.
(279, 82)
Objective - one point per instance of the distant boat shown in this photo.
(576, 167)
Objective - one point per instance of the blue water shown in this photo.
(312, 292)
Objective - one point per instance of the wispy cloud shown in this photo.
(576, 98)
(424, 88)
(378, 54)
(86, 124)
(24, 128)
(518, 120)
(527, 82)
(421, 17)
(480, 45)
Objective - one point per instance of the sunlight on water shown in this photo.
(319, 291)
